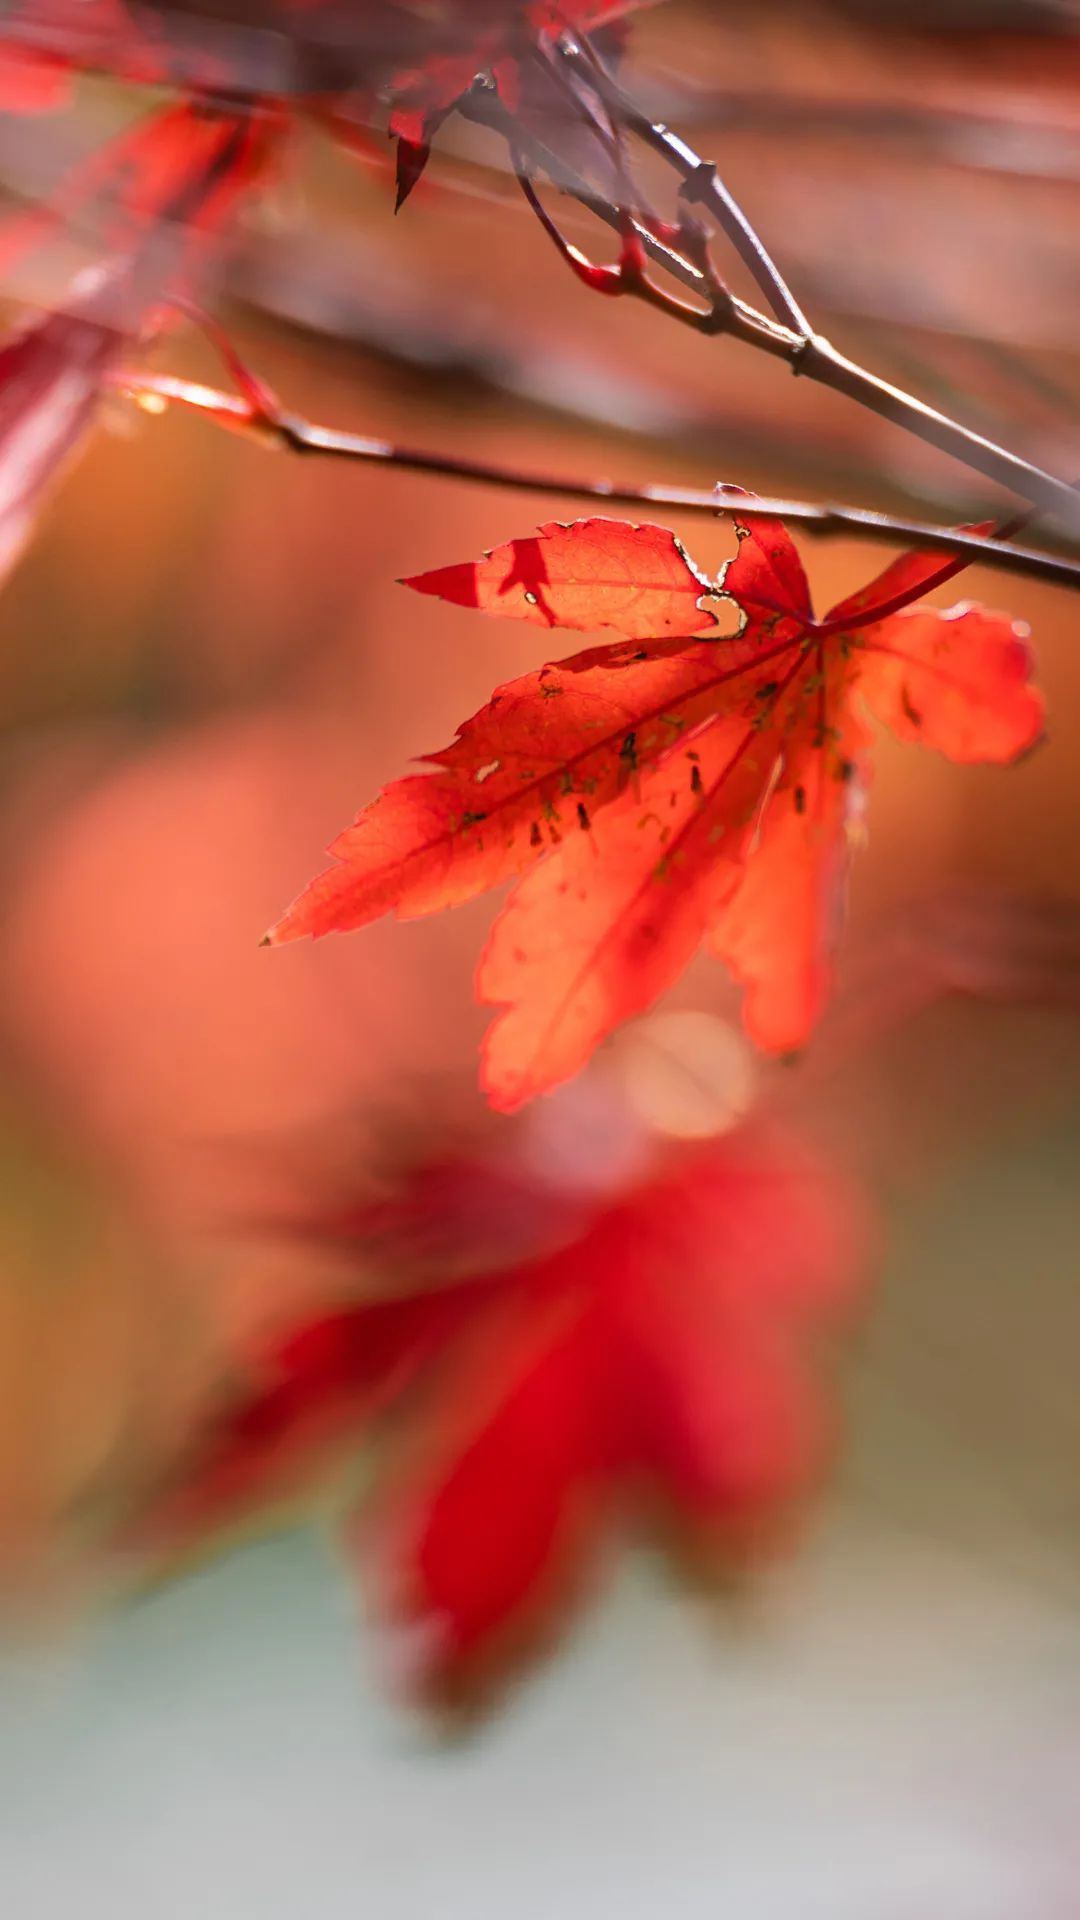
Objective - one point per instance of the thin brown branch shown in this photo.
(255, 413)
(701, 184)
(808, 353)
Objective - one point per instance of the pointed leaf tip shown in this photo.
(584, 575)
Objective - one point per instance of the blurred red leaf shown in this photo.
(29, 83)
(301, 48)
(497, 35)
(165, 187)
(171, 179)
(50, 383)
(661, 1355)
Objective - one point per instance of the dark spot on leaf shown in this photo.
(909, 707)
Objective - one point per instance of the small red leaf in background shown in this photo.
(420, 58)
(163, 188)
(661, 1359)
(499, 38)
(50, 383)
(667, 789)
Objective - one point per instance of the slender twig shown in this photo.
(628, 274)
(808, 353)
(745, 239)
(482, 107)
(255, 413)
(701, 184)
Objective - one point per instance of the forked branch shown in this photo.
(790, 336)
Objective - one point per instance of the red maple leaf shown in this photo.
(498, 36)
(667, 790)
(658, 1359)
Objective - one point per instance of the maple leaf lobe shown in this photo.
(584, 575)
